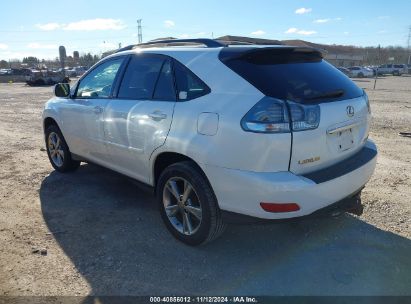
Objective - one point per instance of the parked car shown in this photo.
(392, 69)
(75, 72)
(80, 70)
(6, 72)
(345, 71)
(70, 72)
(44, 77)
(374, 69)
(360, 72)
(21, 71)
(207, 131)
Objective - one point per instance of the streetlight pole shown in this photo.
(378, 65)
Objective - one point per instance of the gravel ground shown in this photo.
(93, 232)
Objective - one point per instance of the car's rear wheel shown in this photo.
(58, 151)
(360, 75)
(188, 205)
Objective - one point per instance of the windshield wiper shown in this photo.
(331, 94)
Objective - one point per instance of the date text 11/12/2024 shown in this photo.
(204, 299)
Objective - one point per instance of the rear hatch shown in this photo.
(342, 131)
(302, 79)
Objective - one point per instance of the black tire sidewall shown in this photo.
(204, 193)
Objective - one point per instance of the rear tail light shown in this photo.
(304, 117)
(270, 115)
(280, 207)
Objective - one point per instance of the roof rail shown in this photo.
(234, 42)
(210, 43)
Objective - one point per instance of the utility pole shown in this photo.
(409, 46)
(378, 64)
(139, 31)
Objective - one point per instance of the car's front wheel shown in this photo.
(58, 151)
(188, 205)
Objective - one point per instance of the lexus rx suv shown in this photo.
(220, 132)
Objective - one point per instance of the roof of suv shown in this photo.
(206, 44)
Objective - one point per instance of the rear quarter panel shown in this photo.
(231, 98)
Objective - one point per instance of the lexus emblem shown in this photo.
(350, 111)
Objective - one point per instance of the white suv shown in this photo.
(220, 133)
(394, 69)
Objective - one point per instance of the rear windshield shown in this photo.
(298, 76)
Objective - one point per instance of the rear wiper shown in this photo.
(331, 94)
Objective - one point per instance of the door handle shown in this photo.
(157, 115)
(350, 125)
(98, 109)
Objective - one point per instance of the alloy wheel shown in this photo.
(182, 205)
(55, 148)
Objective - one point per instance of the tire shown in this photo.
(360, 75)
(201, 229)
(58, 151)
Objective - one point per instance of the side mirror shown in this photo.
(62, 90)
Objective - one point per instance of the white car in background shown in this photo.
(6, 72)
(361, 72)
(392, 69)
(208, 131)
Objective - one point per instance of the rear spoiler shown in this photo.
(270, 52)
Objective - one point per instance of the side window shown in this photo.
(189, 86)
(140, 77)
(98, 83)
(165, 84)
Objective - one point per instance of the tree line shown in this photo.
(86, 60)
(372, 56)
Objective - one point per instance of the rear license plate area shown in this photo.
(345, 140)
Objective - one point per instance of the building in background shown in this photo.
(338, 55)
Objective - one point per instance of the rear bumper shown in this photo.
(351, 204)
(242, 191)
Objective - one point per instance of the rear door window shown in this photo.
(165, 84)
(189, 86)
(292, 75)
(140, 77)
